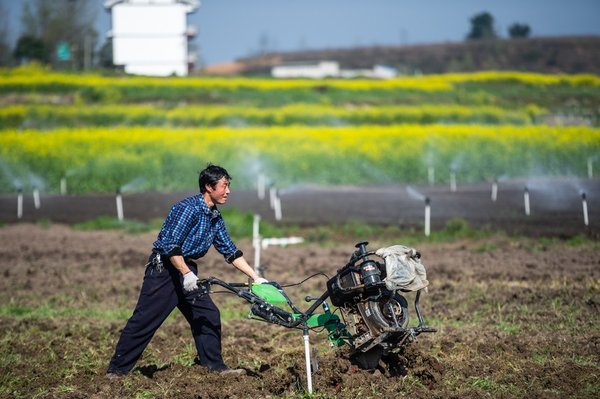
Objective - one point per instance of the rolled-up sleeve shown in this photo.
(175, 229)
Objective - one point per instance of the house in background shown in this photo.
(150, 37)
(306, 69)
(329, 69)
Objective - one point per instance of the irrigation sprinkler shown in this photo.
(36, 198)
(431, 175)
(63, 186)
(119, 200)
(526, 200)
(495, 190)
(427, 216)
(586, 220)
(20, 203)
(590, 167)
(260, 186)
(452, 180)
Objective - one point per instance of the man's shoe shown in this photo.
(229, 371)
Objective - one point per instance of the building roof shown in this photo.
(192, 4)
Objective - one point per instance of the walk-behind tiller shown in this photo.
(374, 313)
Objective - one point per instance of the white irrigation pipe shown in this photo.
(20, 204)
(307, 359)
(427, 217)
(256, 243)
(526, 201)
(452, 181)
(36, 198)
(63, 186)
(119, 200)
(277, 207)
(260, 186)
(495, 190)
(272, 194)
(266, 242)
(586, 220)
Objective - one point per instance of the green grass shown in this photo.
(110, 223)
(49, 310)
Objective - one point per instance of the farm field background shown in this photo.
(105, 132)
(516, 313)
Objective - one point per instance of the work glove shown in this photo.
(190, 281)
(261, 280)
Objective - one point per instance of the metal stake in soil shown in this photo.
(586, 220)
(272, 194)
(277, 206)
(452, 180)
(119, 200)
(307, 359)
(495, 190)
(36, 198)
(590, 168)
(427, 217)
(20, 204)
(526, 201)
(256, 244)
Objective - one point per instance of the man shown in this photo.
(170, 279)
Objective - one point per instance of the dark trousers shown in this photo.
(162, 291)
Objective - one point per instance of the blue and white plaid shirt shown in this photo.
(191, 228)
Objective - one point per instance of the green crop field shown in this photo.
(102, 132)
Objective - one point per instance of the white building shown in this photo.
(329, 69)
(150, 37)
(314, 70)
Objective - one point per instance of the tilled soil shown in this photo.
(515, 318)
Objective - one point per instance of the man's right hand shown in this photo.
(190, 281)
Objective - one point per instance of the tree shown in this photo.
(30, 48)
(56, 21)
(4, 46)
(516, 31)
(482, 27)
(105, 55)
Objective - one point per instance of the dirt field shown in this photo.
(515, 318)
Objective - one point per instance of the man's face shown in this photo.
(218, 195)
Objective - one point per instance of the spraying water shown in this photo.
(414, 194)
(133, 185)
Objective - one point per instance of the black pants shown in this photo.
(162, 290)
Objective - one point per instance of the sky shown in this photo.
(232, 29)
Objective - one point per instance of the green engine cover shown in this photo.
(269, 293)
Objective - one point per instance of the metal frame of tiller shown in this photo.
(265, 301)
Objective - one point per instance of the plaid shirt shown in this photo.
(191, 228)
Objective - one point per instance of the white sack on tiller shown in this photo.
(403, 268)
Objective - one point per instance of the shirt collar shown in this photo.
(212, 212)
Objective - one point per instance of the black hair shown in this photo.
(211, 175)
